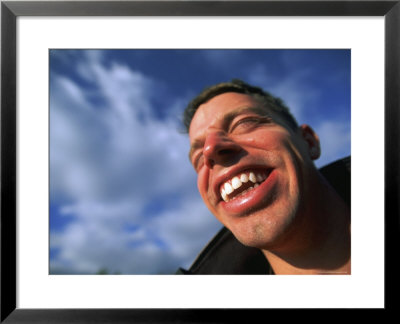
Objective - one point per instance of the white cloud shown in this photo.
(186, 229)
(161, 245)
(110, 159)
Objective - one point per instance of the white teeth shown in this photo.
(244, 178)
(252, 177)
(236, 183)
(228, 188)
(224, 196)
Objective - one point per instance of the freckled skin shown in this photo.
(269, 223)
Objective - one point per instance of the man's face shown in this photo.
(252, 169)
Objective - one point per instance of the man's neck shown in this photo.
(321, 244)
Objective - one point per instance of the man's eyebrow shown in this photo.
(227, 119)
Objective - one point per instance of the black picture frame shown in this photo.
(10, 10)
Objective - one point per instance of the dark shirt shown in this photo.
(224, 254)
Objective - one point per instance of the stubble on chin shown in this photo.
(268, 231)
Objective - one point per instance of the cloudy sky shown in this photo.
(123, 195)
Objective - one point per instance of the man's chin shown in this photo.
(256, 239)
(264, 234)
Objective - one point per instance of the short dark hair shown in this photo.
(239, 86)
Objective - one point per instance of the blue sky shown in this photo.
(123, 195)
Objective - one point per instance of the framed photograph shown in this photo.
(72, 75)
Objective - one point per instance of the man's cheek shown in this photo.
(202, 179)
(202, 186)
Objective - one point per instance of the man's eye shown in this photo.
(249, 122)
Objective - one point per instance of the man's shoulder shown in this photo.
(338, 174)
(224, 254)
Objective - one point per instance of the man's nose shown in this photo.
(219, 149)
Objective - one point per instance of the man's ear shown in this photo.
(312, 141)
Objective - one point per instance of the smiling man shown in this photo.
(257, 176)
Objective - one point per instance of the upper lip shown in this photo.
(228, 174)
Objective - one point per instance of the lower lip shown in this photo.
(254, 199)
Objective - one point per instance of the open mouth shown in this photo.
(242, 183)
